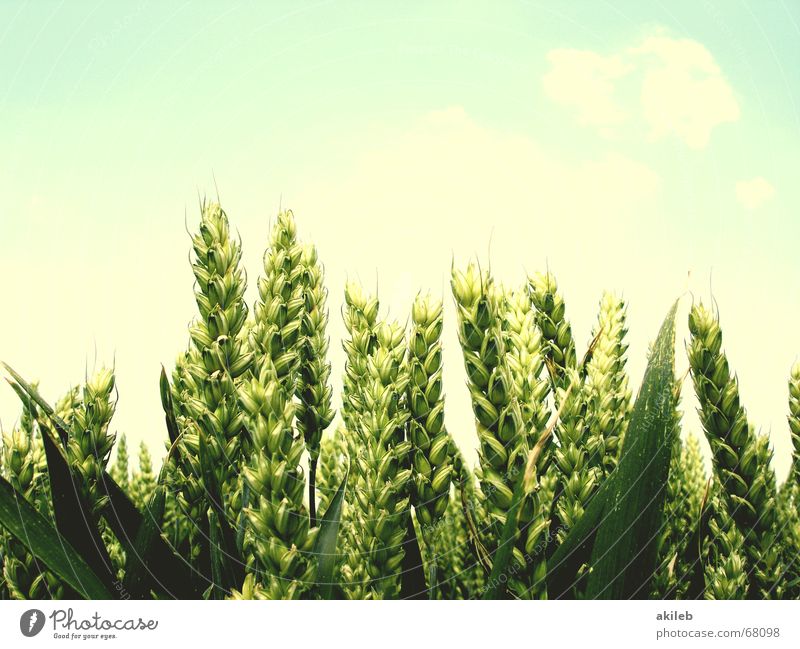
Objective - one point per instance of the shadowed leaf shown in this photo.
(624, 553)
(31, 529)
(326, 542)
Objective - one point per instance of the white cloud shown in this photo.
(447, 188)
(584, 81)
(753, 193)
(679, 89)
(683, 90)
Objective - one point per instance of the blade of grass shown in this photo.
(31, 529)
(624, 553)
(220, 570)
(166, 404)
(224, 554)
(72, 513)
(138, 572)
(326, 542)
(33, 394)
(576, 549)
(697, 578)
(122, 516)
(412, 583)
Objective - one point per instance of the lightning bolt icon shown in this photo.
(32, 621)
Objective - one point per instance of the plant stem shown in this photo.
(312, 490)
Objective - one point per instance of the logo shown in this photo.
(31, 622)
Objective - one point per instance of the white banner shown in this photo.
(399, 624)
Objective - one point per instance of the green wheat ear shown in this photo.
(25, 467)
(219, 356)
(90, 440)
(314, 412)
(382, 491)
(726, 575)
(559, 345)
(277, 516)
(501, 355)
(608, 397)
(360, 319)
(794, 422)
(143, 480)
(431, 444)
(333, 463)
(682, 510)
(789, 494)
(741, 458)
(119, 470)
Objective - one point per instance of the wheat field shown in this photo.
(585, 487)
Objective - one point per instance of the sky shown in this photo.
(649, 149)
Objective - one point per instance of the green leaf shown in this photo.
(31, 529)
(694, 555)
(576, 549)
(122, 516)
(241, 526)
(220, 570)
(28, 393)
(139, 567)
(225, 558)
(166, 404)
(433, 577)
(412, 582)
(174, 575)
(624, 555)
(73, 517)
(326, 541)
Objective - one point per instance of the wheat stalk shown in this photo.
(90, 441)
(119, 470)
(491, 356)
(431, 445)
(685, 487)
(741, 458)
(559, 345)
(221, 356)
(726, 570)
(25, 467)
(277, 517)
(608, 398)
(382, 492)
(794, 421)
(360, 319)
(313, 390)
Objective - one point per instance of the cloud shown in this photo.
(446, 188)
(585, 81)
(674, 87)
(753, 193)
(683, 90)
